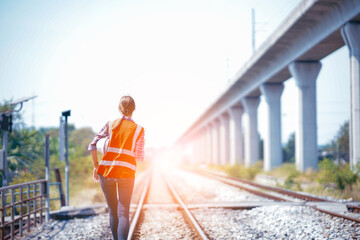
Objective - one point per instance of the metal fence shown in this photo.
(27, 204)
(22, 206)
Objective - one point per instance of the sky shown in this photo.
(174, 57)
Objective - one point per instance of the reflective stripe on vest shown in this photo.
(121, 151)
(118, 163)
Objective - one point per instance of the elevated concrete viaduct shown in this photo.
(312, 31)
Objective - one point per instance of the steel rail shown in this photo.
(299, 195)
(273, 189)
(191, 219)
(282, 191)
(139, 207)
(254, 191)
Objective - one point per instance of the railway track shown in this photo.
(278, 194)
(137, 217)
(217, 218)
(186, 205)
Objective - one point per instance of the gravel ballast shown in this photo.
(275, 222)
(96, 227)
(163, 220)
(164, 224)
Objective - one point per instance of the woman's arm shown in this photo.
(96, 165)
(95, 159)
(92, 147)
(102, 134)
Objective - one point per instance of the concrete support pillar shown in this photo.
(251, 131)
(198, 147)
(191, 149)
(195, 152)
(351, 35)
(209, 144)
(272, 139)
(216, 142)
(236, 135)
(225, 138)
(203, 147)
(305, 74)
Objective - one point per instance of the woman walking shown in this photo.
(116, 170)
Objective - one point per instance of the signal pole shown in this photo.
(66, 114)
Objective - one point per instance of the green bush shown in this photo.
(341, 175)
(235, 170)
(23, 177)
(290, 182)
(243, 172)
(254, 170)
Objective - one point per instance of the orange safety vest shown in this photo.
(119, 160)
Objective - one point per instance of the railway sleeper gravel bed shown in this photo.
(349, 209)
(158, 192)
(353, 205)
(161, 218)
(336, 207)
(94, 227)
(266, 222)
(164, 224)
(209, 190)
(256, 190)
(275, 222)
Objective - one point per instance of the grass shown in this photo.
(349, 194)
(239, 170)
(281, 172)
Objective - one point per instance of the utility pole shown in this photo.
(47, 176)
(61, 151)
(66, 114)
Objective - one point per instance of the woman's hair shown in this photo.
(126, 105)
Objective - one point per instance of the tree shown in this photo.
(289, 149)
(343, 141)
(82, 137)
(261, 149)
(16, 116)
(25, 145)
(338, 148)
(26, 151)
